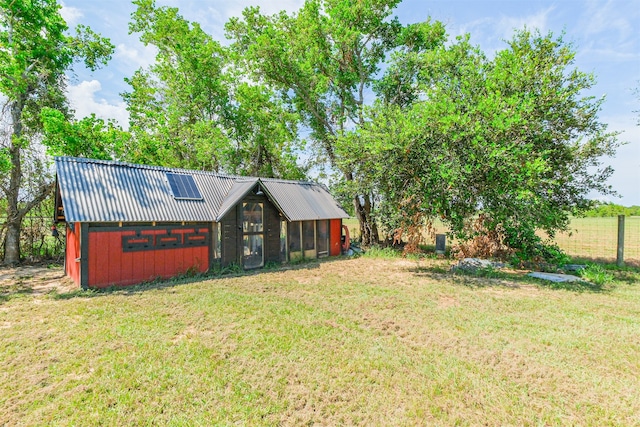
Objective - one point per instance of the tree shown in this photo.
(89, 137)
(324, 60)
(192, 108)
(34, 57)
(510, 139)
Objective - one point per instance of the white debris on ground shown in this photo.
(473, 264)
(555, 277)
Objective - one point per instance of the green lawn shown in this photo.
(365, 341)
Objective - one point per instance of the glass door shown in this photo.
(252, 235)
(322, 237)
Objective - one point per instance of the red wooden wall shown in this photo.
(72, 252)
(109, 265)
(334, 237)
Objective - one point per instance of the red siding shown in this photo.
(109, 265)
(72, 252)
(334, 237)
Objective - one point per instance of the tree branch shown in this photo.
(44, 191)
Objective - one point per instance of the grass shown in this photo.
(364, 341)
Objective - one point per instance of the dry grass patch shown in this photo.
(345, 342)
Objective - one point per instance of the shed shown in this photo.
(128, 223)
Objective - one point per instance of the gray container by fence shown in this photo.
(441, 243)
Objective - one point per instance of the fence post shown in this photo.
(620, 257)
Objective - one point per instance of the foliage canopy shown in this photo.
(35, 54)
(511, 138)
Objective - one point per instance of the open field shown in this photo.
(366, 341)
(597, 238)
(590, 238)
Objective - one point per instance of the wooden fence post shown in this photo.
(620, 257)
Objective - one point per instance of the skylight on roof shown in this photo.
(183, 186)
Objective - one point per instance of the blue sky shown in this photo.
(605, 34)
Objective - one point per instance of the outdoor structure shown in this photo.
(127, 223)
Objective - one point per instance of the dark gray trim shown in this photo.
(97, 227)
(239, 236)
(84, 255)
(212, 243)
(152, 242)
(58, 208)
(137, 243)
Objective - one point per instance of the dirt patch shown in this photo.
(34, 279)
(446, 301)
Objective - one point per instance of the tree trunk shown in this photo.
(14, 219)
(12, 242)
(15, 210)
(368, 227)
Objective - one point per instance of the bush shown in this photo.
(596, 274)
(379, 252)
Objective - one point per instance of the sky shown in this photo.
(604, 33)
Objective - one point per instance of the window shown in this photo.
(217, 240)
(283, 241)
(252, 217)
(308, 235)
(294, 236)
(183, 187)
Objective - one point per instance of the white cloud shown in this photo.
(71, 15)
(213, 14)
(83, 100)
(626, 163)
(491, 32)
(137, 56)
(606, 17)
(507, 24)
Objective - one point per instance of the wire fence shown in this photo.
(593, 239)
(597, 239)
(36, 240)
(589, 238)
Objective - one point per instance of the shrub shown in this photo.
(596, 274)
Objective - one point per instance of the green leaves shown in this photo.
(511, 138)
(35, 54)
(195, 107)
(89, 137)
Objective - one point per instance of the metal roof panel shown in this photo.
(106, 191)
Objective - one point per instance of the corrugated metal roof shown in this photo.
(105, 191)
(300, 201)
(237, 192)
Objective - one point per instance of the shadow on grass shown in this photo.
(185, 279)
(632, 264)
(16, 290)
(630, 277)
(484, 278)
(629, 273)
